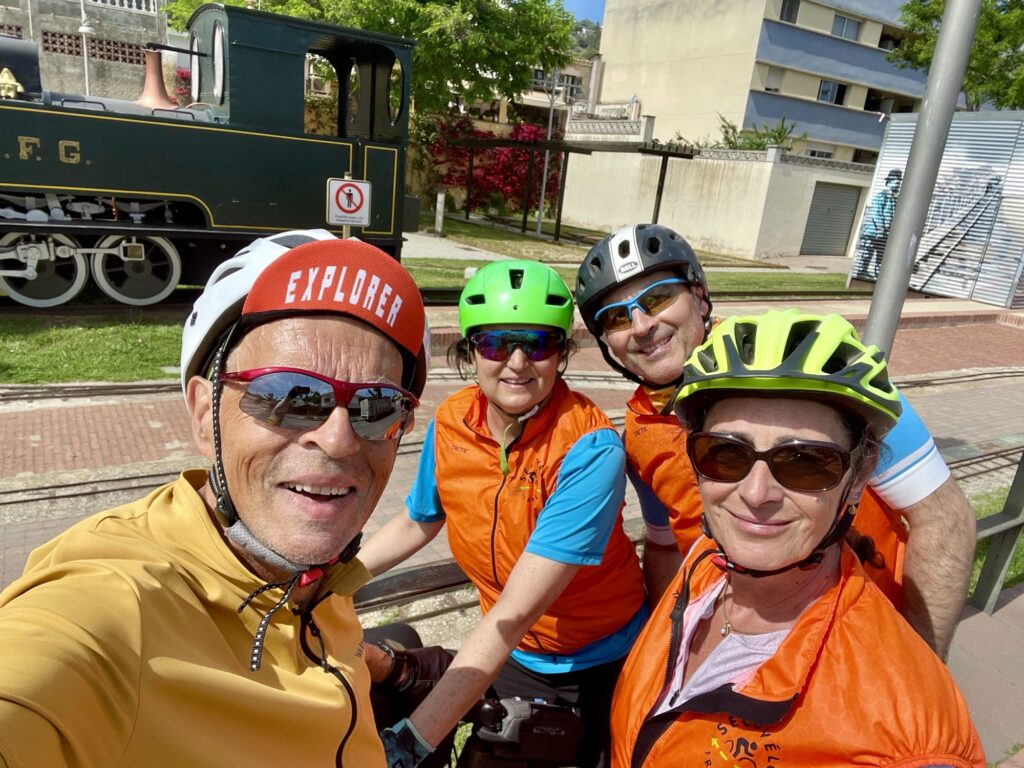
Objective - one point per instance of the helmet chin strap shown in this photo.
(835, 534)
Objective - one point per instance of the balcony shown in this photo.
(148, 7)
(822, 122)
(834, 58)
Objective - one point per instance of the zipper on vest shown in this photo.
(494, 532)
(652, 728)
(320, 659)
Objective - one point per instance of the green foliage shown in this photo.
(586, 39)
(756, 138)
(995, 69)
(321, 116)
(466, 49)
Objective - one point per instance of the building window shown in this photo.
(845, 27)
(832, 92)
(773, 81)
(821, 151)
(10, 29)
(790, 9)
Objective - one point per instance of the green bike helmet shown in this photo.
(517, 291)
(791, 354)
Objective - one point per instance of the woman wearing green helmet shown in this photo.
(529, 477)
(772, 643)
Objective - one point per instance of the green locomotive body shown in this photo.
(152, 196)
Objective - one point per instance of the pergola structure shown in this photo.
(664, 151)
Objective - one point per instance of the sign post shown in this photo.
(348, 203)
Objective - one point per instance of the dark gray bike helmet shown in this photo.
(627, 253)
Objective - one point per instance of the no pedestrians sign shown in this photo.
(348, 202)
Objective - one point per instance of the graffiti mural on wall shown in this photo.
(959, 224)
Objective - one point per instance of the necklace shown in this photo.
(727, 625)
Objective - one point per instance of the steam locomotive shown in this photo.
(146, 195)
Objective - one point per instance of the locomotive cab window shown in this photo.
(218, 63)
(193, 45)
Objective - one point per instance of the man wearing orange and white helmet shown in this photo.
(212, 621)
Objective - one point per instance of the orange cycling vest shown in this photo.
(851, 684)
(491, 516)
(656, 453)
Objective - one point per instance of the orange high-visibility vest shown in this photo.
(491, 516)
(851, 684)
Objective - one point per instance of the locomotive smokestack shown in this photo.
(154, 92)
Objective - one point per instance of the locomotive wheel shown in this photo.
(57, 281)
(137, 282)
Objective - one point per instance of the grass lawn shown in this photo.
(60, 349)
(448, 273)
(990, 503)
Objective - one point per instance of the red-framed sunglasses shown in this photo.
(302, 400)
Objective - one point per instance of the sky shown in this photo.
(586, 9)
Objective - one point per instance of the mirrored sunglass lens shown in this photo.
(721, 460)
(379, 413)
(499, 345)
(289, 400)
(807, 467)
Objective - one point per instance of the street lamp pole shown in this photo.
(85, 30)
(547, 153)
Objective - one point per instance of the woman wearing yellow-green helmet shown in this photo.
(529, 477)
(772, 644)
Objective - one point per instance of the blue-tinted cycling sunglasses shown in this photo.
(499, 345)
(652, 300)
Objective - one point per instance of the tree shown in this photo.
(586, 39)
(499, 173)
(995, 69)
(756, 138)
(466, 49)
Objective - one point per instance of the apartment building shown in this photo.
(820, 64)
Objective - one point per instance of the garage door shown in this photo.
(830, 220)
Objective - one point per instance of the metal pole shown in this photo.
(547, 153)
(661, 189)
(526, 192)
(85, 45)
(944, 81)
(469, 183)
(561, 196)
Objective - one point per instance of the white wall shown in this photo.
(749, 207)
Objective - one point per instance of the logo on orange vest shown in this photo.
(749, 750)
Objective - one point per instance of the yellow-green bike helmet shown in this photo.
(791, 353)
(518, 291)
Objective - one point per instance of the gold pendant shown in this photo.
(726, 628)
